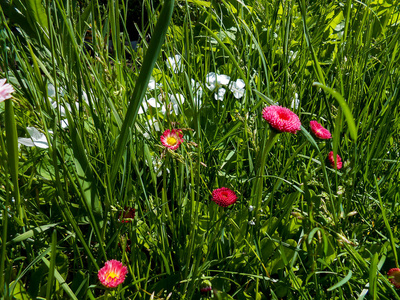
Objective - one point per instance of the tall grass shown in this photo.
(300, 228)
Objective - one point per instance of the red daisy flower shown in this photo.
(224, 197)
(394, 277)
(172, 138)
(112, 274)
(127, 215)
(319, 130)
(332, 161)
(281, 118)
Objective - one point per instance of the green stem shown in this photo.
(259, 183)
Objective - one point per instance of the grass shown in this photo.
(300, 228)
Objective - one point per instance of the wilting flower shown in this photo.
(332, 161)
(172, 138)
(127, 215)
(5, 90)
(319, 130)
(175, 63)
(205, 286)
(238, 88)
(215, 81)
(112, 274)
(224, 197)
(282, 118)
(394, 277)
(37, 139)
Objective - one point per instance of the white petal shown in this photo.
(152, 84)
(177, 99)
(26, 141)
(223, 79)
(153, 102)
(220, 94)
(34, 133)
(51, 90)
(211, 80)
(64, 123)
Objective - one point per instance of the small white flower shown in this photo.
(251, 208)
(215, 81)
(252, 223)
(238, 88)
(37, 139)
(175, 63)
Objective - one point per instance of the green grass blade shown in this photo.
(150, 59)
(345, 108)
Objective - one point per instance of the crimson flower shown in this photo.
(224, 197)
(5, 90)
(281, 118)
(332, 161)
(127, 215)
(394, 277)
(205, 286)
(319, 130)
(172, 138)
(112, 274)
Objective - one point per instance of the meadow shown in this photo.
(236, 150)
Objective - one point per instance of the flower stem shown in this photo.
(259, 183)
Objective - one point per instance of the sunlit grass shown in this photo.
(299, 229)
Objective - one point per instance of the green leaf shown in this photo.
(341, 282)
(345, 108)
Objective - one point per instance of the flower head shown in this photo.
(37, 139)
(5, 90)
(127, 215)
(224, 197)
(332, 161)
(215, 81)
(112, 274)
(172, 138)
(175, 63)
(205, 286)
(238, 88)
(281, 118)
(394, 277)
(319, 130)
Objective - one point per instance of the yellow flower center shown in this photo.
(171, 140)
(112, 275)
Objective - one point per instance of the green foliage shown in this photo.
(300, 228)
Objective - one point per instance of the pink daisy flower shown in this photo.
(281, 118)
(112, 274)
(394, 277)
(172, 138)
(332, 161)
(127, 215)
(224, 197)
(319, 130)
(5, 90)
